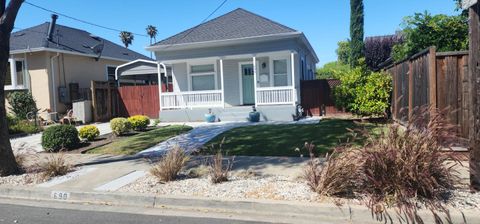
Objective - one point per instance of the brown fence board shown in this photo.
(432, 79)
(315, 93)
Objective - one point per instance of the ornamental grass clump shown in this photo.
(219, 166)
(170, 165)
(55, 165)
(401, 168)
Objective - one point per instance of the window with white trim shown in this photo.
(202, 77)
(15, 74)
(111, 72)
(280, 72)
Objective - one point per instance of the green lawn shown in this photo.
(281, 140)
(136, 143)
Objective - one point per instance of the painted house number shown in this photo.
(60, 195)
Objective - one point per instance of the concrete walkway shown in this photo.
(33, 143)
(204, 132)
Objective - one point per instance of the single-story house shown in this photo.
(57, 63)
(228, 65)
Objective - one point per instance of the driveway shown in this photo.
(34, 142)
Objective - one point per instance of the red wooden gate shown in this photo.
(139, 100)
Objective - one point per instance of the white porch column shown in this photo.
(160, 83)
(292, 62)
(13, 72)
(255, 79)
(222, 83)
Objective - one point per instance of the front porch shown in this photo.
(231, 81)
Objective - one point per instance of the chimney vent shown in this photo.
(51, 28)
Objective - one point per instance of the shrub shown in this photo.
(89, 132)
(21, 103)
(139, 122)
(401, 168)
(219, 170)
(60, 137)
(170, 164)
(329, 70)
(55, 165)
(120, 126)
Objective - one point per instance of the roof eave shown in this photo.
(31, 50)
(310, 48)
(186, 46)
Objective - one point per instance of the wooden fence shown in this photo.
(316, 94)
(432, 79)
(105, 102)
(139, 100)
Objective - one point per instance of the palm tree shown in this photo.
(126, 37)
(152, 32)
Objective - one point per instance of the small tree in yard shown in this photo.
(8, 14)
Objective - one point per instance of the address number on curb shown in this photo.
(60, 195)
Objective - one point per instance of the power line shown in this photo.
(80, 20)
(203, 21)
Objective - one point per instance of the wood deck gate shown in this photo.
(139, 100)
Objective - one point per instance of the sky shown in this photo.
(324, 22)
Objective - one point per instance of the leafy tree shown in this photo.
(152, 33)
(422, 30)
(379, 49)
(343, 52)
(329, 70)
(8, 14)
(356, 31)
(126, 37)
(21, 103)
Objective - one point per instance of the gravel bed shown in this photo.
(266, 187)
(271, 187)
(463, 199)
(27, 179)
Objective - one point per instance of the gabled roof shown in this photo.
(236, 24)
(68, 39)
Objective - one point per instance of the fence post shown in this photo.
(432, 77)
(94, 100)
(410, 89)
(474, 122)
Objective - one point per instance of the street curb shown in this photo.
(306, 211)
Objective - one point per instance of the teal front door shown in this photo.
(248, 91)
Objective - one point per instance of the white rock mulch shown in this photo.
(28, 179)
(272, 187)
(463, 199)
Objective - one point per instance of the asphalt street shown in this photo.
(40, 215)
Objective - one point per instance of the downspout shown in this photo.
(53, 82)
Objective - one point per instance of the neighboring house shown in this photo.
(230, 63)
(55, 63)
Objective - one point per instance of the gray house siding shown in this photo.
(180, 77)
(253, 48)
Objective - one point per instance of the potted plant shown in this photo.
(210, 117)
(254, 116)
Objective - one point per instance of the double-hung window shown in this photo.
(111, 72)
(280, 72)
(202, 77)
(15, 78)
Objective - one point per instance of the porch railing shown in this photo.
(192, 99)
(275, 95)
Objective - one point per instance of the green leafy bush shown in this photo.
(60, 137)
(89, 132)
(21, 103)
(363, 92)
(139, 122)
(120, 126)
(329, 70)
